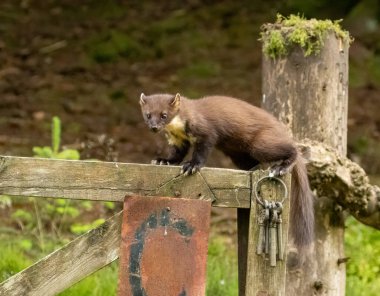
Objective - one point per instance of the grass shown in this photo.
(101, 283)
(221, 269)
(222, 272)
(12, 260)
(363, 269)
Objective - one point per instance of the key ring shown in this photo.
(270, 178)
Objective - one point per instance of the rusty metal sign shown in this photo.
(164, 247)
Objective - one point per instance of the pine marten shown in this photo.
(247, 134)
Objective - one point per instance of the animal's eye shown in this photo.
(164, 115)
(148, 115)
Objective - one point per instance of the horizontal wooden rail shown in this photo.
(112, 181)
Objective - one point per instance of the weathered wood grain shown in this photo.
(262, 279)
(108, 181)
(68, 265)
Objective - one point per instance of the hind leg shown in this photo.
(282, 155)
(279, 169)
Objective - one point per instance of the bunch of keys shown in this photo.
(270, 237)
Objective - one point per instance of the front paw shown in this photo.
(160, 161)
(190, 168)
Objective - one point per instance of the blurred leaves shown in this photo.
(80, 228)
(5, 202)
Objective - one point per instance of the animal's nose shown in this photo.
(154, 128)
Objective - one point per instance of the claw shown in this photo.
(153, 161)
(190, 168)
(186, 169)
(185, 172)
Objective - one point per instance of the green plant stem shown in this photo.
(60, 222)
(39, 225)
(56, 134)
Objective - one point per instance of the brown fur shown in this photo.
(247, 134)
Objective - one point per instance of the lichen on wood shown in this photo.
(278, 38)
(343, 180)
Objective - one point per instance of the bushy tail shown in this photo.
(302, 206)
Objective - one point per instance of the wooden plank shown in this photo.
(68, 265)
(111, 181)
(262, 279)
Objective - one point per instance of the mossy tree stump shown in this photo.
(305, 85)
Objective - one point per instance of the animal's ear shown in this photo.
(142, 99)
(175, 101)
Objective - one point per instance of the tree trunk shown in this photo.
(309, 95)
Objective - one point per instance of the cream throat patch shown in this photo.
(175, 132)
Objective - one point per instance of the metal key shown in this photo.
(273, 235)
(280, 245)
(267, 233)
(263, 218)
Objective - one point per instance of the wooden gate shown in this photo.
(101, 181)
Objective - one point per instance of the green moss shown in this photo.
(110, 46)
(285, 33)
(276, 47)
(201, 69)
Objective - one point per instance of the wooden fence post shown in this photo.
(256, 275)
(262, 279)
(309, 94)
